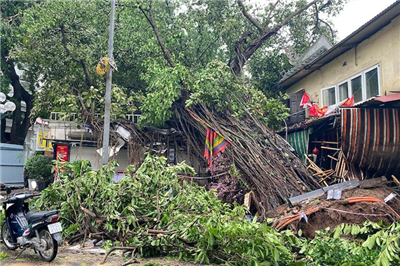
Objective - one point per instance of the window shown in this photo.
(343, 91)
(356, 89)
(372, 83)
(363, 86)
(328, 96)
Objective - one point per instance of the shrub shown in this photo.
(156, 213)
(39, 168)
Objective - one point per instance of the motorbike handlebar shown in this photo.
(18, 196)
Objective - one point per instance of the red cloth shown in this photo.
(305, 101)
(348, 102)
(315, 110)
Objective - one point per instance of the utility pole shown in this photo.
(107, 111)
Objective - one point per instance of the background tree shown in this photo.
(22, 89)
(269, 63)
(180, 54)
(64, 41)
(293, 23)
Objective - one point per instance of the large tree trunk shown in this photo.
(2, 130)
(21, 121)
(264, 33)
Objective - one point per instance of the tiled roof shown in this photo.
(299, 67)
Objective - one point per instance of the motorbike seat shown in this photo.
(35, 216)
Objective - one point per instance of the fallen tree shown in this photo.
(166, 79)
(265, 160)
(153, 212)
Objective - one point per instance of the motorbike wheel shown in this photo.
(52, 246)
(6, 237)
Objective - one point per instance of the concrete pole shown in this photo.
(107, 111)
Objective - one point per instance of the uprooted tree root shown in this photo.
(356, 208)
(265, 160)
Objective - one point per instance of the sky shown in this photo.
(356, 13)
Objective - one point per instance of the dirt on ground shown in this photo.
(72, 258)
(332, 213)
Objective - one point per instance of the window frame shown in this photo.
(338, 89)
(364, 85)
(328, 88)
(350, 88)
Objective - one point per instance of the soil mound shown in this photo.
(357, 205)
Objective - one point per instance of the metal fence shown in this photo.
(63, 116)
(11, 164)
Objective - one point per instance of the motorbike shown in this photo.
(24, 229)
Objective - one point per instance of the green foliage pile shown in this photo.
(355, 245)
(157, 214)
(2, 216)
(3, 255)
(39, 167)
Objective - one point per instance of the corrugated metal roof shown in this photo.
(310, 122)
(388, 98)
(368, 103)
(358, 104)
(378, 100)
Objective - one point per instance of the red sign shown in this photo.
(62, 155)
(62, 152)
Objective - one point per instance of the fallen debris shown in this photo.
(319, 192)
(265, 160)
(153, 212)
(356, 206)
(333, 176)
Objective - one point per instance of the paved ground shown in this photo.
(75, 256)
(67, 257)
(64, 258)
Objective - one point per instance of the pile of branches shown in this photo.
(154, 212)
(265, 160)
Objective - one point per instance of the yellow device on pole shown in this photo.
(103, 66)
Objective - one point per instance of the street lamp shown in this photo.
(8, 106)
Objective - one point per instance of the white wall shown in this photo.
(90, 154)
(383, 49)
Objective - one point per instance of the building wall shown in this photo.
(90, 154)
(194, 161)
(383, 48)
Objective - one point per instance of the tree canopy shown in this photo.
(23, 89)
(167, 52)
